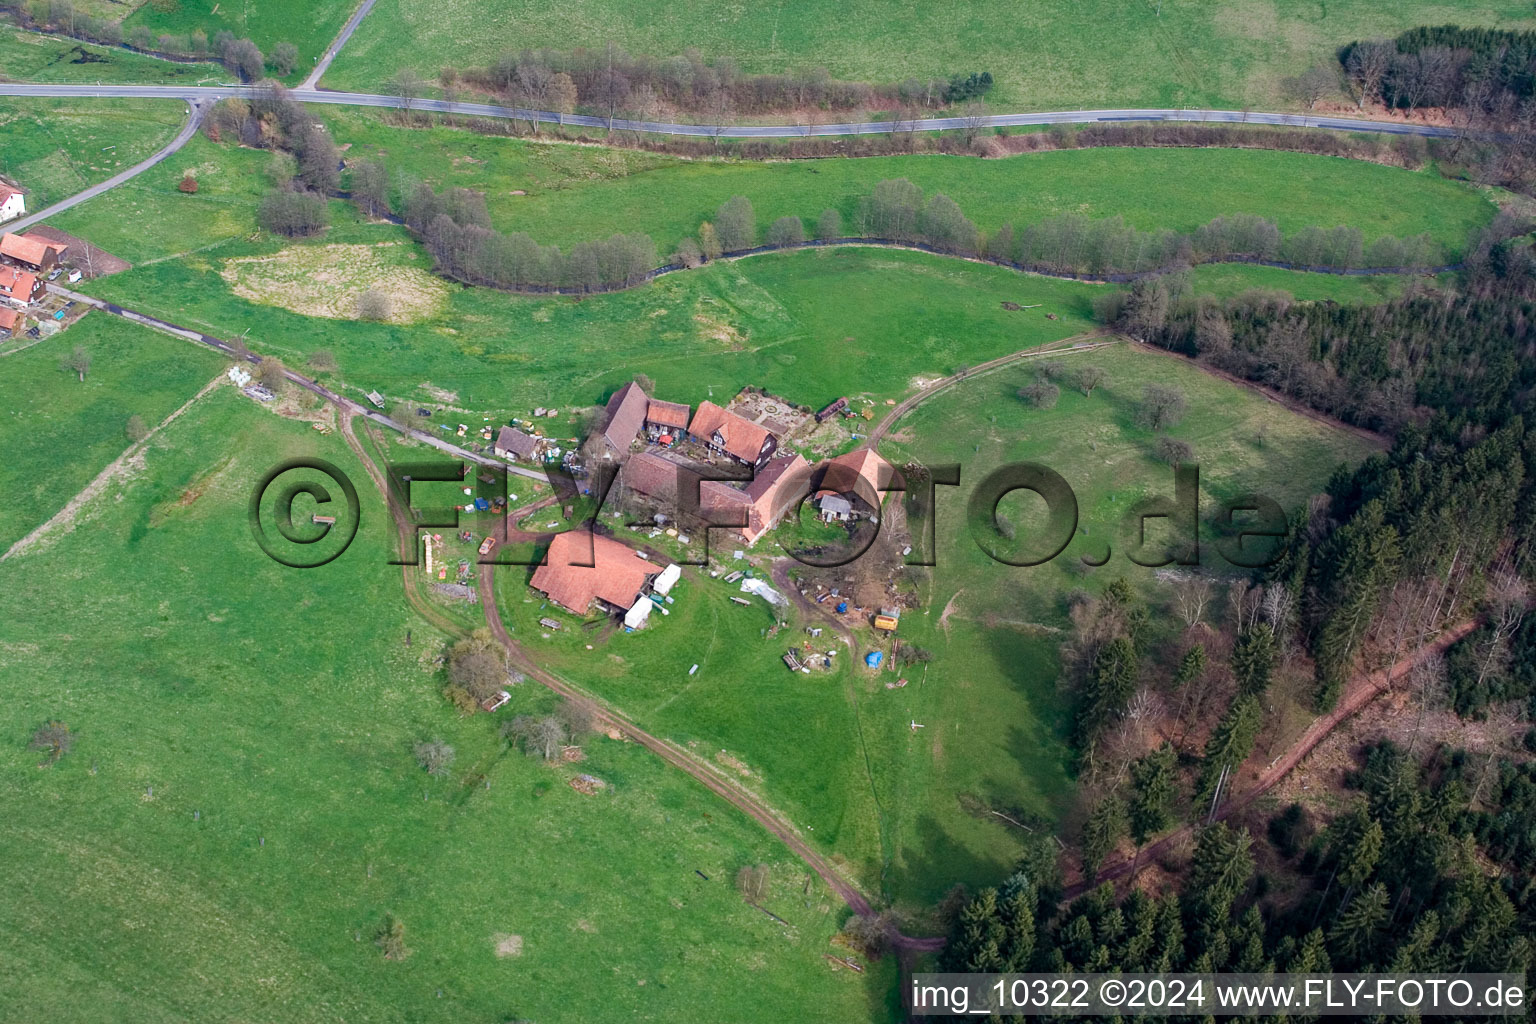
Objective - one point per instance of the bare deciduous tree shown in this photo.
(435, 756)
(1162, 406)
(1091, 377)
(78, 362)
(407, 84)
(54, 739)
(1191, 595)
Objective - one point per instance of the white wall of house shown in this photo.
(14, 206)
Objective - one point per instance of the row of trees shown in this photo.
(241, 56)
(455, 226)
(1068, 244)
(611, 80)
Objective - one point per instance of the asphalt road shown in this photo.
(194, 119)
(307, 94)
(324, 63)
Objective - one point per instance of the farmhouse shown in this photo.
(730, 434)
(777, 488)
(626, 415)
(666, 419)
(19, 287)
(12, 202)
(583, 567)
(512, 443)
(38, 253)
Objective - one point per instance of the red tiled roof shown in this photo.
(6, 191)
(774, 490)
(616, 573)
(844, 473)
(9, 318)
(17, 284)
(657, 477)
(668, 414)
(28, 249)
(742, 438)
(626, 415)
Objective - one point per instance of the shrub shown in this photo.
(786, 231)
(373, 305)
(188, 185)
(294, 214)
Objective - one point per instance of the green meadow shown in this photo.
(59, 432)
(33, 57)
(1045, 56)
(561, 193)
(55, 148)
(308, 24)
(241, 810)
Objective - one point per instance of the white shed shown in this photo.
(638, 613)
(670, 575)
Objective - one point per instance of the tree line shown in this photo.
(1070, 244)
(611, 80)
(241, 56)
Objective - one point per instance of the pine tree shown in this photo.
(1101, 832)
(1311, 955)
(1111, 682)
(1229, 745)
(1190, 667)
(1354, 936)
(1357, 563)
(1253, 659)
(1152, 785)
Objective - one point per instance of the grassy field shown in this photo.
(562, 193)
(308, 24)
(148, 218)
(55, 148)
(1050, 55)
(241, 809)
(31, 57)
(134, 372)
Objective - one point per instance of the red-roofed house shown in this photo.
(775, 489)
(861, 474)
(626, 415)
(606, 572)
(10, 321)
(666, 418)
(38, 253)
(12, 203)
(19, 287)
(726, 432)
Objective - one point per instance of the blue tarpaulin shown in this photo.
(842, 606)
(874, 658)
(481, 504)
